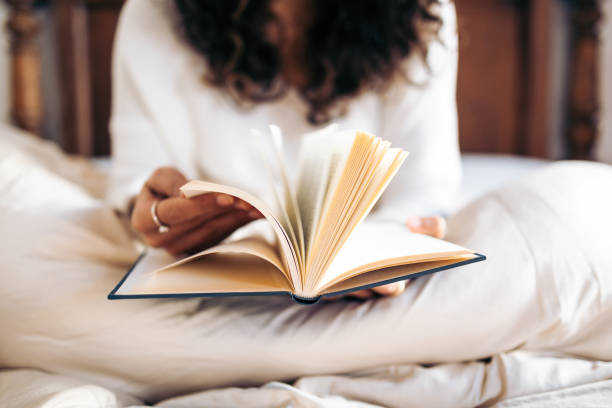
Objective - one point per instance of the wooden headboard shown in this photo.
(505, 93)
(82, 38)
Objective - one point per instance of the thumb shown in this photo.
(432, 226)
(166, 182)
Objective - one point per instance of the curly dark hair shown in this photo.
(350, 46)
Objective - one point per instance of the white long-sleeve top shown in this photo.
(164, 113)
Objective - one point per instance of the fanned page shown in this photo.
(271, 154)
(287, 252)
(353, 187)
(322, 154)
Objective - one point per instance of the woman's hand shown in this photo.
(433, 226)
(193, 224)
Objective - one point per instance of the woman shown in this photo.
(296, 64)
(181, 78)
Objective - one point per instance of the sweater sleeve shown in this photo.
(149, 123)
(421, 117)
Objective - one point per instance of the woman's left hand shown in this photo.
(433, 226)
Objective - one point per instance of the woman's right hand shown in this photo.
(193, 224)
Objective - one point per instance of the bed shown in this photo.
(522, 145)
(37, 177)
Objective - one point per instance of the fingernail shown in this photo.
(393, 288)
(387, 289)
(414, 223)
(255, 214)
(401, 287)
(429, 222)
(224, 200)
(396, 287)
(242, 205)
(435, 226)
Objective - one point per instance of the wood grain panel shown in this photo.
(85, 39)
(538, 82)
(583, 123)
(102, 25)
(26, 95)
(490, 79)
(503, 93)
(72, 33)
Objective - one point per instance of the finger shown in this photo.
(177, 210)
(211, 232)
(391, 289)
(176, 232)
(180, 211)
(141, 214)
(432, 226)
(362, 294)
(166, 182)
(162, 240)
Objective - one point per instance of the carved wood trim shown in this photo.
(539, 84)
(73, 47)
(85, 33)
(26, 95)
(584, 103)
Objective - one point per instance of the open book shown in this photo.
(312, 241)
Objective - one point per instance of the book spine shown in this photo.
(305, 300)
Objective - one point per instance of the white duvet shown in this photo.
(531, 325)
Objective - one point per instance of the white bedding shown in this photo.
(483, 173)
(64, 345)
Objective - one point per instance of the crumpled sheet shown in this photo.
(446, 385)
(540, 308)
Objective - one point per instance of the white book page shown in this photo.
(150, 261)
(319, 164)
(364, 174)
(360, 208)
(289, 195)
(287, 252)
(271, 154)
(375, 245)
(224, 269)
(377, 276)
(256, 246)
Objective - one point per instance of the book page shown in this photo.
(256, 246)
(379, 276)
(354, 212)
(320, 160)
(215, 273)
(287, 252)
(272, 156)
(376, 245)
(340, 182)
(369, 166)
(289, 195)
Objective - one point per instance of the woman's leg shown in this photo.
(561, 217)
(546, 284)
